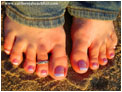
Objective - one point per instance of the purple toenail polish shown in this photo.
(30, 68)
(59, 71)
(44, 72)
(112, 55)
(95, 65)
(82, 65)
(105, 60)
(15, 62)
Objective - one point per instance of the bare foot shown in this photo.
(93, 42)
(36, 43)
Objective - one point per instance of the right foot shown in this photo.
(36, 42)
(93, 43)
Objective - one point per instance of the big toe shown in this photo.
(58, 63)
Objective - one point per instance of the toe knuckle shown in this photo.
(29, 58)
(15, 53)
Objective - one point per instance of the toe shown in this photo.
(58, 63)
(17, 52)
(114, 39)
(42, 69)
(8, 42)
(30, 61)
(102, 55)
(93, 56)
(110, 53)
(79, 58)
(111, 44)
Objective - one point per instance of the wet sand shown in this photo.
(106, 78)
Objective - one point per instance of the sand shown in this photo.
(106, 78)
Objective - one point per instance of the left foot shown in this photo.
(95, 37)
(36, 43)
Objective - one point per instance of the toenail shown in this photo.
(82, 65)
(115, 47)
(95, 65)
(112, 55)
(43, 72)
(30, 68)
(59, 71)
(105, 60)
(15, 62)
(7, 51)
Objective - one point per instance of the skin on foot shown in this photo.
(93, 43)
(36, 43)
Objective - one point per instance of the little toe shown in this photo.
(93, 56)
(42, 68)
(110, 46)
(58, 63)
(110, 53)
(8, 42)
(102, 55)
(30, 61)
(16, 55)
(114, 39)
(79, 58)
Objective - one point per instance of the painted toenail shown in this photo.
(44, 72)
(15, 62)
(59, 71)
(7, 51)
(30, 68)
(112, 55)
(82, 65)
(105, 60)
(95, 65)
